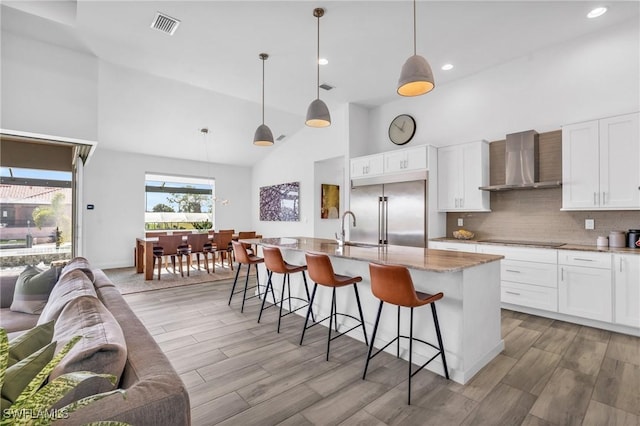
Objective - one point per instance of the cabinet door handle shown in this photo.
(583, 260)
(512, 292)
(620, 264)
(461, 202)
(561, 274)
(512, 270)
(594, 199)
(603, 198)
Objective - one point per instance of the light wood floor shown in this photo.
(239, 372)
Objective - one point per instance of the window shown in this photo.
(177, 202)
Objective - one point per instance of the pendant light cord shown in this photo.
(414, 27)
(318, 61)
(263, 59)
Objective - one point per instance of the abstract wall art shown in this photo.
(280, 202)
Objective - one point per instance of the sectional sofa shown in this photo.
(85, 302)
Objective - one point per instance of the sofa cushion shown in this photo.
(29, 342)
(8, 280)
(73, 284)
(78, 264)
(32, 289)
(102, 348)
(16, 322)
(19, 375)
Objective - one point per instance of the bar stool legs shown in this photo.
(333, 318)
(245, 259)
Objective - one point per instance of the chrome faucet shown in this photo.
(342, 234)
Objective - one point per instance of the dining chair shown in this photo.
(245, 235)
(200, 245)
(222, 242)
(172, 246)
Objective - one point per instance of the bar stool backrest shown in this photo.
(320, 269)
(393, 284)
(240, 252)
(273, 260)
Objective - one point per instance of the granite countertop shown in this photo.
(411, 257)
(578, 247)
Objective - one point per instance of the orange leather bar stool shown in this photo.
(243, 258)
(321, 272)
(275, 264)
(393, 284)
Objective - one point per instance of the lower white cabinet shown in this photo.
(626, 278)
(528, 276)
(585, 291)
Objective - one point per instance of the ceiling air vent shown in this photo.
(281, 137)
(325, 86)
(165, 23)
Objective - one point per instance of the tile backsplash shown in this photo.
(535, 214)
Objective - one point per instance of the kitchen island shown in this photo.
(469, 313)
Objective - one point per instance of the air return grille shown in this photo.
(165, 23)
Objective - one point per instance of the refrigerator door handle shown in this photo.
(380, 215)
(386, 221)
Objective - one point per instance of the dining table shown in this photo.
(143, 257)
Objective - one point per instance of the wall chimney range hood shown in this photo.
(521, 164)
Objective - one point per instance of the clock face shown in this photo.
(402, 129)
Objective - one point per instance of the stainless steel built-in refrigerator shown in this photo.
(390, 213)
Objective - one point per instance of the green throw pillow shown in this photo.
(32, 289)
(19, 375)
(29, 342)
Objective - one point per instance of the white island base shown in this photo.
(469, 312)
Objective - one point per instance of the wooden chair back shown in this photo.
(170, 243)
(198, 242)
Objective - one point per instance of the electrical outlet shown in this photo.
(460, 222)
(589, 224)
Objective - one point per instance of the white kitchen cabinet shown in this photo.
(600, 164)
(402, 160)
(626, 278)
(584, 285)
(461, 170)
(528, 276)
(370, 165)
(452, 246)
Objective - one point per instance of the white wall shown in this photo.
(294, 161)
(114, 183)
(48, 89)
(591, 77)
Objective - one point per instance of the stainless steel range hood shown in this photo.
(521, 164)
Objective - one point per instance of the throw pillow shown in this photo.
(74, 284)
(32, 290)
(29, 342)
(19, 375)
(78, 264)
(102, 348)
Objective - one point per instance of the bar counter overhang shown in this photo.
(469, 313)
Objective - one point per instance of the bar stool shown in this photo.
(243, 258)
(275, 263)
(321, 272)
(393, 284)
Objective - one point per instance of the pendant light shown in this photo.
(318, 113)
(263, 136)
(416, 77)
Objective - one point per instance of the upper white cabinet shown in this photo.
(600, 164)
(402, 160)
(626, 278)
(461, 170)
(370, 165)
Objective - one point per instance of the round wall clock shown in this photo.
(402, 129)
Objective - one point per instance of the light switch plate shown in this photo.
(589, 224)
(460, 222)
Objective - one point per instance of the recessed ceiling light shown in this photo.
(447, 67)
(598, 11)
(323, 61)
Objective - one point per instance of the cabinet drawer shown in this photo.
(542, 274)
(521, 253)
(443, 245)
(533, 296)
(584, 258)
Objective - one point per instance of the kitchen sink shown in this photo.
(523, 243)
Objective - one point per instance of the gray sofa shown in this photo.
(155, 394)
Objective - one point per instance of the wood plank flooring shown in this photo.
(239, 372)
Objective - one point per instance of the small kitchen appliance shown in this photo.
(633, 238)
